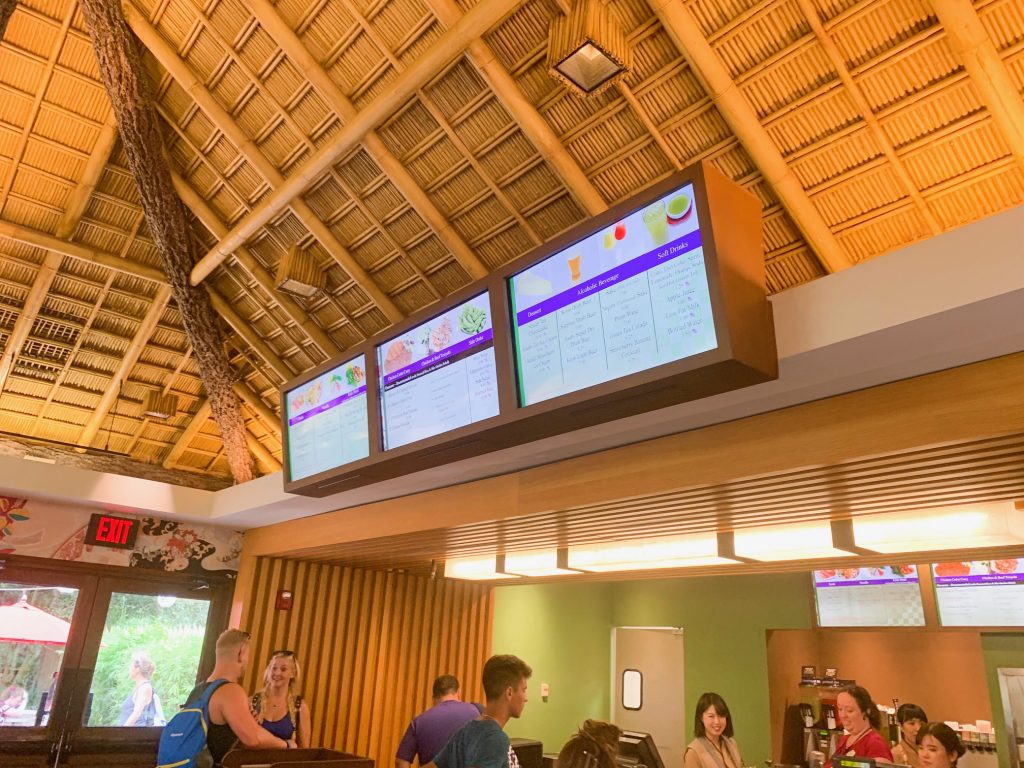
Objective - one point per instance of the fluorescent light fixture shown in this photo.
(40, 459)
(298, 274)
(802, 541)
(474, 569)
(160, 406)
(648, 554)
(977, 525)
(536, 562)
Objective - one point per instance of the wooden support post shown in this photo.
(131, 96)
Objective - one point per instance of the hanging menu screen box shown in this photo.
(982, 593)
(625, 299)
(439, 376)
(884, 596)
(328, 423)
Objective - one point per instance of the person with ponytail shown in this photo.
(713, 745)
(595, 745)
(278, 708)
(938, 746)
(861, 721)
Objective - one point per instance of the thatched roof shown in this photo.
(359, 131)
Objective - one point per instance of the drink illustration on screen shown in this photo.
(439, 375)
(627, 298)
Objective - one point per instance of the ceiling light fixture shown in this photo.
(159, 405)
(479, 568)
(976, 525)
(538, 562)
(648, 554)
(587, 50)
(298, 274)
(802, 541)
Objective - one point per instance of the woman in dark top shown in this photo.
(278, 708)
(140, 708)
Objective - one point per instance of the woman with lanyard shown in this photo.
(861, 721)
(713, 745)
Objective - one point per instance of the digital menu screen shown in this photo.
(628, 298)
(982, 593)
(883, 596)
(439, 375)
(328, 425)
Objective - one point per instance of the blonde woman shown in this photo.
(140, 708)
(278, 708)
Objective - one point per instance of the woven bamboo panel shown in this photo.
(867, 103)
(370, 645)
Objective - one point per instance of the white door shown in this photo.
(647, 666)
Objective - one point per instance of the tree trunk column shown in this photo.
(131, 96)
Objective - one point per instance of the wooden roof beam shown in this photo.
(29, 311)
(685, 32)
(131, 357)
(264, 458)
(192, 429)
(209, 219)
(533, 125)
(226, 124)
(270, 419)
(974, 47)
(295, 49)
(78, 200)
(447, 48)
(242, 327)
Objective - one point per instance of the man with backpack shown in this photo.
(216, 715)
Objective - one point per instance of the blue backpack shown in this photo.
(183, 741)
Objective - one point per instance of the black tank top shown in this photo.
(220, 739)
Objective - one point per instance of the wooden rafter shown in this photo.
(29, 311)
(130, 95)
(534, 127)
(225, 123)
(685, 32)
(209, 219)
(293, 47)
(270, 419)
(433, 60)
(975, 49)
(131, 357)
(193, 428)
(244, 330)
(264, 458)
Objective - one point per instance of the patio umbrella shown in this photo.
(24, 623)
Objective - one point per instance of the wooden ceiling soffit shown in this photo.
(533, 125)
(209, 219)
(226, 124)
(448, 47)
(974, 47)
(131, 357)
(131, 96)
(686, 33)
(293, 47)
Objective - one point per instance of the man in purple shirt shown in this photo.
(430, 731)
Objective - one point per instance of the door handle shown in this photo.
(57, 750)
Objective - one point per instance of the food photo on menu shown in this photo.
(624, 299)
(980, 593)
(866, 574)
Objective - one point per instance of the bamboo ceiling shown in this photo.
(443, 154)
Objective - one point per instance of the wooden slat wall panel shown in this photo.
(370, 644)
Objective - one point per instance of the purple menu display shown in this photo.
(882, 596)
(327, 420)
(439, 375)
(628, 298)
(980, 593)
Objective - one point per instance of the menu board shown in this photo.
(439, 375)
(327, 420)
(884, 596)
(625, 299)
(982, 593)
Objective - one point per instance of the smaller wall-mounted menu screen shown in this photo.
(327, 423)
(982, 593)
(624, 299)
(883, 596)
(438, 376)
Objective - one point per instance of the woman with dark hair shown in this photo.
(861, 721)
(910, 717)
(595, 745)
(938, 746)
(713, 745)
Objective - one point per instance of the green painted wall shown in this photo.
(564, 632)
(1000, 651)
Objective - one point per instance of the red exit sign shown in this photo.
(108, 531)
